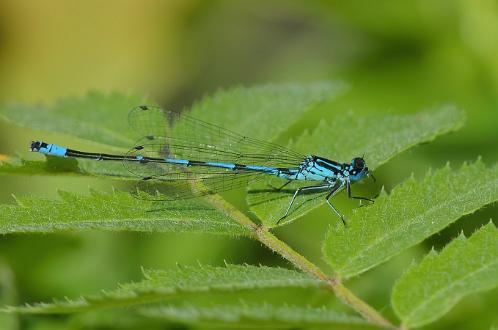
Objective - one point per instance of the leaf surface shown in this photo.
(96, 117)
(265, 111)
(180, 282)
(251, 314)
(412, 212)
(116, 211)
(8, 296)
(101, 119)
(65, 166)
(261, 111)
(431, 288)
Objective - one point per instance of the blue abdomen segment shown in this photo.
(176, 161)
(227, 166)
(290, 174)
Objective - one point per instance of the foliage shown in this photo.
(245, 314)
(412, 212)
(431, 288)
(182, 281)
(115, 211)
(352, 135)
(236, 295)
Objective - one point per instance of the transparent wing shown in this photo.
(183, 137)
(182, 189)
(172, 135)
(180, 179)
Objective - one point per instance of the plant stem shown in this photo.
(262, 234)
(343, 293)
(227, 208)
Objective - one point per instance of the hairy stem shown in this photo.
(262, 234)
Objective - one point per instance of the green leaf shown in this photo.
(109, 319)
(430, 289)
(258, 106)
(378, 138)
(180, 282)
(96, 117)
(265, 111)
(15, 165)
(115, 211)
(65, 166)
(8, 295)
(412, 212)
(261, 112)
(255, 315)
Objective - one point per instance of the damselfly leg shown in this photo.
(329, 195)
(281, 187)
(334, 189)
(298, 191)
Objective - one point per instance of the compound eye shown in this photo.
(358, 163)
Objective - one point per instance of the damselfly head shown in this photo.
(359, 169)
(358, 163)
(35, 145)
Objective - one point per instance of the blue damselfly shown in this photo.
(179, 149)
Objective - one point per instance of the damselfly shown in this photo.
(179, 149)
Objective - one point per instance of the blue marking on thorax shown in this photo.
(53, 150)
(312, 170)
(139, 157)
(318, 173)
(329, 166)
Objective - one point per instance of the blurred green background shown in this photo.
(397, 57)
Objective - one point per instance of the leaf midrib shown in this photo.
(141, 296)
(120, 220)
